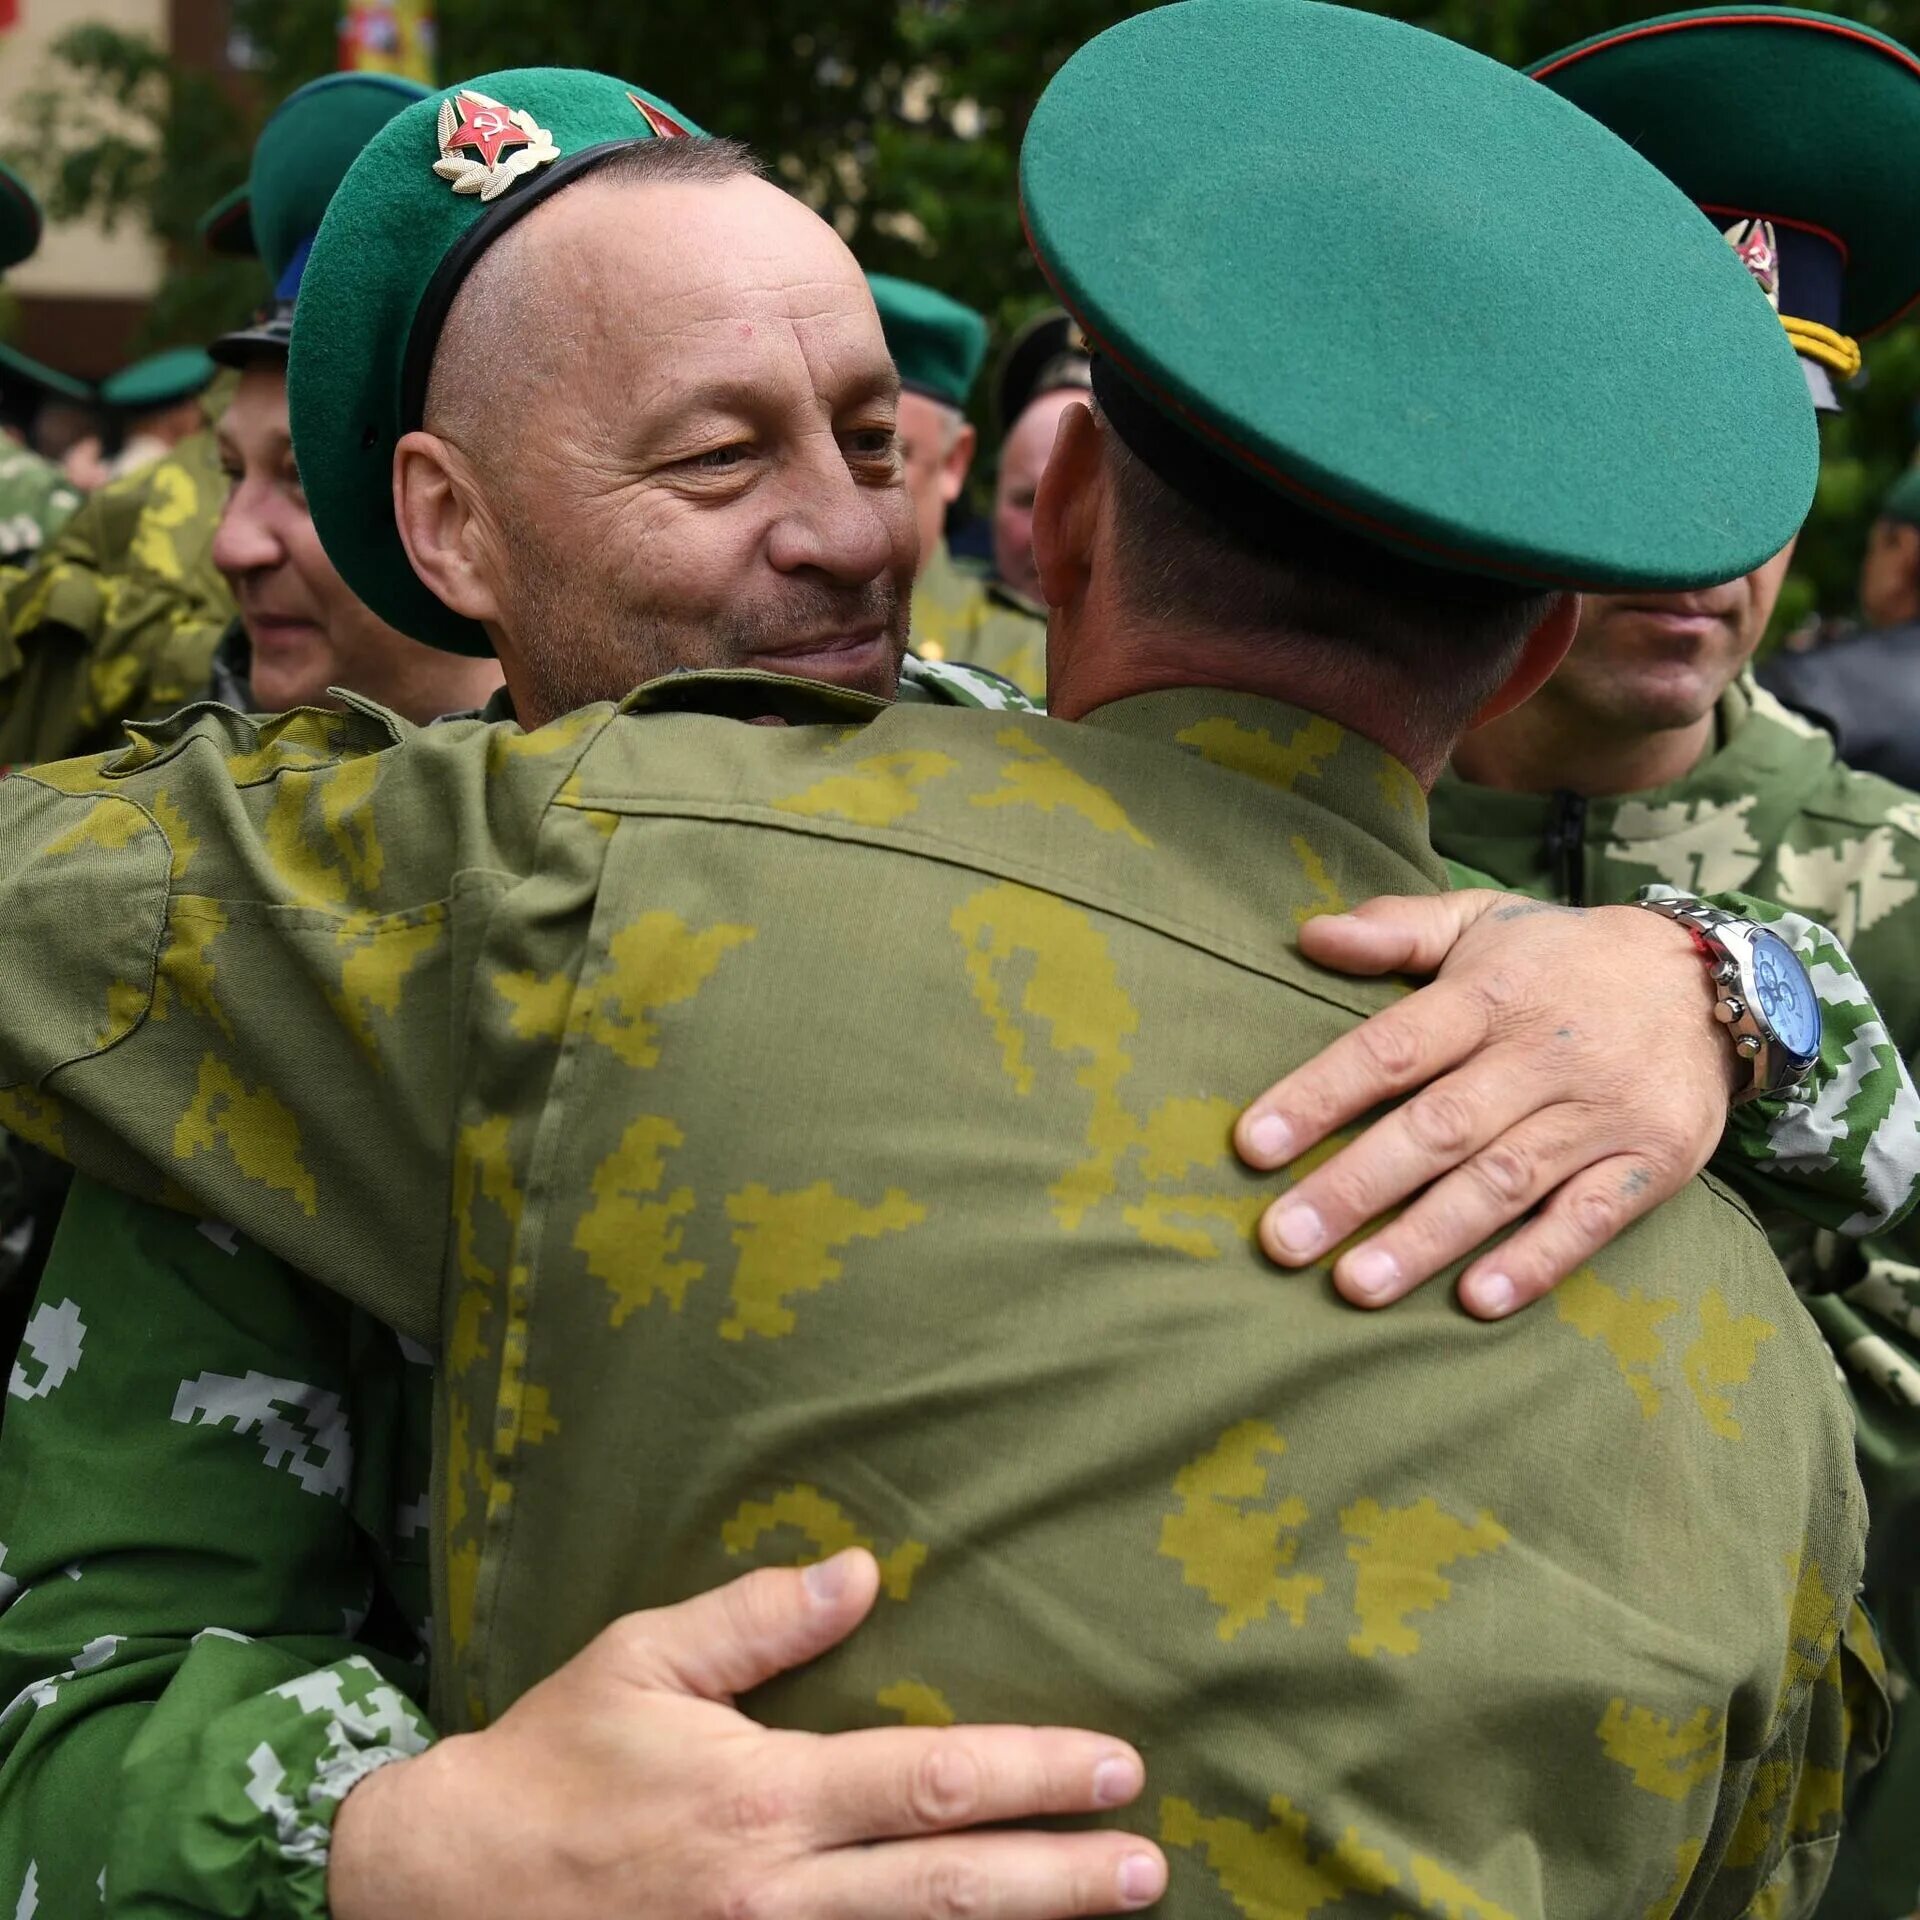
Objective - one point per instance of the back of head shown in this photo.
(1363, 408)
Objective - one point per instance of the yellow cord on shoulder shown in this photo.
(1832, 349)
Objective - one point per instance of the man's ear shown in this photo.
(1541, 652)
(959, 461)
(1067, 507)
(443, 528)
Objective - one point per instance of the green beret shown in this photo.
(1798, 134)
(936, 343)
(160, 380)
(1047, 355)
(1400, 288)
(19, 219)
(302, 155)
(431, 190)
(1903, 499)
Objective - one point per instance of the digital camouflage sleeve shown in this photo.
(953, 1316)
(1772, 811)
(216, 1625)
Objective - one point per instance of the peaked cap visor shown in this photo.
(1420, 296)
(1047, 355)
(19, 369)
(392, 252)
(266, 337)
(1800, 118)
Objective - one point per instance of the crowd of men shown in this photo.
(688, 1180)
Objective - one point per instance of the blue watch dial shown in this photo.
(1784, 996)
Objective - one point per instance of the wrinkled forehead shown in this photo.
(257, 412)
(673, 273)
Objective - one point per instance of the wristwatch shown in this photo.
(1766, 999)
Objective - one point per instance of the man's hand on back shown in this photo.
(626, 1785)
(1565, 1060)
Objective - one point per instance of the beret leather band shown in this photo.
(461, 258)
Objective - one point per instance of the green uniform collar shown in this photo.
(1293, 751)
(1767, 761)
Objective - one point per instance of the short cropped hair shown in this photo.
(1396, 630)
(487, 334)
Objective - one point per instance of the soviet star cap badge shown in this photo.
(509, 144)
(1759, 250)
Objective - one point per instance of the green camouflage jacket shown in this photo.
(1771, 811)
(272, 1445)
(120, 617)
(35, 500)
(466, 1021)
(962, 615)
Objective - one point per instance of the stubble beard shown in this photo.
(581, 640)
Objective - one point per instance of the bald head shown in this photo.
(660, 432)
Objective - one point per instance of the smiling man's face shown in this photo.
(1650, 662)
(684, 448)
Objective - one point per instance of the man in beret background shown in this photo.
(938, 346)
(1864, 686)
(451, 520)
(1652, 757)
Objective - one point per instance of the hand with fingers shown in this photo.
(1563, 1064)
(626, 1785)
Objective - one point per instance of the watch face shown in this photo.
(1784, 996)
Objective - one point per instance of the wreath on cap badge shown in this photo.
(489, 127)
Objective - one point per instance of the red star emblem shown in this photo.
(486, 128)
(664, 126)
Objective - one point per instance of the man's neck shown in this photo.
(1539, 749)
(1135, 662)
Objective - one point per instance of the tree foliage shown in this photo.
(899, 119)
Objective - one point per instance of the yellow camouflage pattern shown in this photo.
(776, 1178)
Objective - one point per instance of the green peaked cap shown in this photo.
(936, 343)
(20, 371)
(159, 380)
(1799, 118)
(429, 192)
(1416, 295)
(19, 219)
(1798, 134)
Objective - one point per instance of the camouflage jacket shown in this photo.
(1773, 812)
(465, 1020)
(959, 614)
(120, 617)
(35, 500)
(270, 1444)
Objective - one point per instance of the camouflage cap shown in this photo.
(1798, 135)
(19, 219)
(1445, 321)
(936, 343)
(429, 193)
